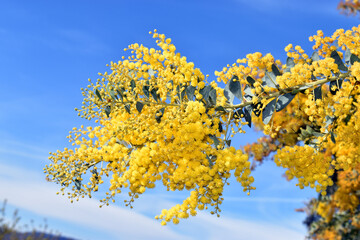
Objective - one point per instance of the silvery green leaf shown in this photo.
(269, 79)
(248, 94)
(205, 92)
(328, 120)
(122, 142)
(151, 72)
(317, 134)
(233, 89)
(334, 54)
(289, 64)
(268, 111)
(284, 100)
(212, 97)
(190, 92)
(315, 56)
(347, 56)
(211, 160)
(215, 140)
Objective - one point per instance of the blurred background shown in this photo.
(48, 50)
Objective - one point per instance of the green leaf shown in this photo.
(127, 108)
(190, 90)
(215, 140)
(107, 110)
(250, 80)
(154, 93)
(284, 100)
(233, 89)
(247, 114)
(328, 120)
(332, 136)
(248, 94)
(220, 127)
(139, 106)
(98, 94)
(220, 109)
(317, 134)
(275, 70)
(228, 142)
(334, 54)
(146, 90)
(205, 92)
(317, 93)
(159, 114)
(132, 85)
(238, 113)
(120, 95)
(257, 108)
(113, 94)
(289, 64)
(212, 97)
(337, 84)
(315, 56)
(268, 111)
(354, 58)
(77, 184)
(210, 159)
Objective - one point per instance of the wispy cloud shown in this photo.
(230, 228)
(41, 198)
(75, 40)
(17, 182)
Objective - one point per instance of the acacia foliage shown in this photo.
(160, 121)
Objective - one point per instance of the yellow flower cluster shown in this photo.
(160, 121)
(311, 168)
(157, 127)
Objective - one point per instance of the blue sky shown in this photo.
(48, 50)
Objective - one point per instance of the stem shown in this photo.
(291, 89)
